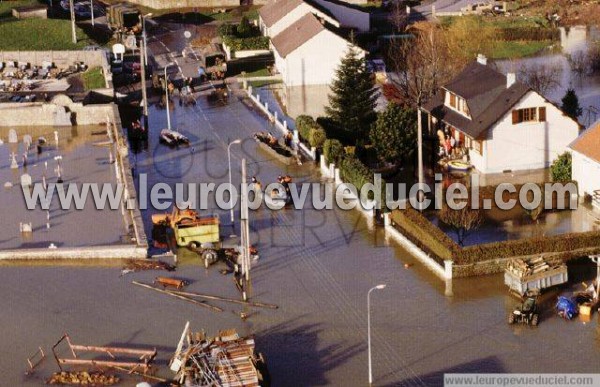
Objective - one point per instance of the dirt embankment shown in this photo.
(571, 12)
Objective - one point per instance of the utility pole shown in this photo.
(92, 9)
(144, 91)
(420, 152)
(245, 227)
(73, 30)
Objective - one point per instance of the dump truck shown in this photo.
(200, 234)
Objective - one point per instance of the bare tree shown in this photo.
(421, 64)
(540, 77)
(463, 222)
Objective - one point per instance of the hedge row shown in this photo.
(420, 231)
(528, 33)
(565, 243)
(310, 131)
(251, 43)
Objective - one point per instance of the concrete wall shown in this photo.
(586, 172)
(59, 58)
(527, 145)
(171, 4)
(43, 114)
(347, 16)
(95, 252)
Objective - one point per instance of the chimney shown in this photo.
(481, 59)
(511, 79)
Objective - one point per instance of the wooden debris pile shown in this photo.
(83, 378)
(524, 268)
(139, 265)
(225, 360)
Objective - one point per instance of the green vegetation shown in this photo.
(242, 36)
(256, 84)
(264, 72)
(518, 49)
(38, 34)
(570, 104)
(93, 79)
(419, 230)
(394, 133)
(561, 168)
(352, 99)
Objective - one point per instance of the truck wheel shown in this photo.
(193, 245)
(534, 320)
(210, 257)
(511, 318)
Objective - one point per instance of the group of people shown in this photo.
(448, 144)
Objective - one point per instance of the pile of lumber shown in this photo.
(523, 268)
(139, 265)
(83, 378)
(226, 360)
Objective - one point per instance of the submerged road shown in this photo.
(316, 265)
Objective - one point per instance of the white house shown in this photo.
(278, 15)
(586, 162)
(503, 124)
(308, 53)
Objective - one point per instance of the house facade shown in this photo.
(277, 15)
(308, 53)
(498, 122)
(586, 163)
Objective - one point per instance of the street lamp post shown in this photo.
(92, 10)
(378, 287)
(167, 95)
(237, 141)
(144, 36)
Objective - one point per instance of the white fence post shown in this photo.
(448, 268)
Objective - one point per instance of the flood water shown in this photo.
(587, 87)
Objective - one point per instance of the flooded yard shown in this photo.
(81, 162)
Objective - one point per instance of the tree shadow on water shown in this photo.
(295, 356)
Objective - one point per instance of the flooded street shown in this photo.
(316, 265)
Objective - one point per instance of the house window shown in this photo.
(453, 100)
(529, 115)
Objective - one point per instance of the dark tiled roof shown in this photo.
(487, 97)
(588, 143)
(275, 10)
(297, 34)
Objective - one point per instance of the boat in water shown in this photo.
(459, 166)
(173, 138)
(271, 145)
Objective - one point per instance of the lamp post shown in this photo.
(167, 95)
(237, 141)
(378, 287)
(144, 36)
(92, 10)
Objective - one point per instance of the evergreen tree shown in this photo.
(353, 99)
(561, 168)
(570, 104)
(394, 134)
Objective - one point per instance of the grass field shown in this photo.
(37, 34)
(93, 79)
(518, 49)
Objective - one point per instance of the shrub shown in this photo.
(316, 137)
(226, 30)
(561, 168)
(252, 43)
(244, 29)
(304, 124)
(333, 150)
(528, 33)
(354, 172)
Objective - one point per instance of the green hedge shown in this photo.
(420, 231)
(304, 124)
(333, 150)
(251, 43)
(317, 137)
(528, 33)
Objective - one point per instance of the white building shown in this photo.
(308, 53)
(586, 162)
(503, 124)
(277, 15)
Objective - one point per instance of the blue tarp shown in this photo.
(566, 307)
